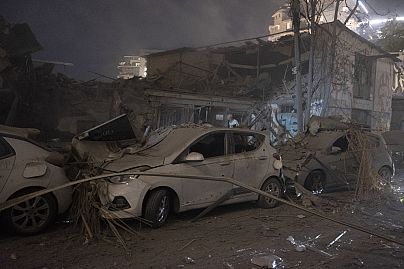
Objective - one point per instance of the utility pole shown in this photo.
(295, 8)
(313, 5)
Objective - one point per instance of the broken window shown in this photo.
(246, 142)
(363, 76)
(341, 143)
(210, 146)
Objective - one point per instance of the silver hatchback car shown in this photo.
(244, 155)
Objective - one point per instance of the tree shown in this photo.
(392, 36)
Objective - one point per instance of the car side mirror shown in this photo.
(194, 157)
(336, 150)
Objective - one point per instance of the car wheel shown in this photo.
(315, 182)
(158, 207)
(32, 216)
(271, 186)
(385, 173)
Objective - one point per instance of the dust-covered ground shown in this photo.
(226, 238)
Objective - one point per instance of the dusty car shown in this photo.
(334, 165)
(25, 167)
(395, 144)
(244, 155)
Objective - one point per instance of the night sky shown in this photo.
(94, 34)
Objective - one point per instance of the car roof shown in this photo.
(177, 136)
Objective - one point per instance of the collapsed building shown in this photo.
(253, 81)
(359, 87)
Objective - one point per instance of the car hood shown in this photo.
(135, 161)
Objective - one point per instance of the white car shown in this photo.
(244, 155)
(26, 167)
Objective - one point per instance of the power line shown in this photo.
(244, 39)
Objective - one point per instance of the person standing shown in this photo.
(232, 122)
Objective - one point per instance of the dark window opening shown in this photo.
(342, 143)
(364, 76)
(210, 146)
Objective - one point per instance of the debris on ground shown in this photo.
(336, 239)
(268, 261)
(189, 260)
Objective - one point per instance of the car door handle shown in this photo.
(224, 164)
(262, 157)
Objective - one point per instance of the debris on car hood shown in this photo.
(120, 149)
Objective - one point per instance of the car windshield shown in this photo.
(175, 140)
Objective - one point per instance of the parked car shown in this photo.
(26, 167)
(338, 168)
(244, 155)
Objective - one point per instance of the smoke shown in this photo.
(95, 34)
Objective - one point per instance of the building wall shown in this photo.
(131, 66)
(282, 21)
(397, 118)
(372, 108)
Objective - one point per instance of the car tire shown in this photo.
(32, 216)
(271, 186)
(315, 182)
(157, 207)
(385, 173)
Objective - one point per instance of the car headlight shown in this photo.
(121, 179)
(127, 178)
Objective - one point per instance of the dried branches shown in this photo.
(369, 182)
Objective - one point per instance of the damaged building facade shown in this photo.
(361, 84)
(357, 87)
(253, 81)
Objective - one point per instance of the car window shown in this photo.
(212, 145)
(244, 142)
(5, 149)
(342, 143)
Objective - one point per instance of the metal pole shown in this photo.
(313, 4)
(296, 29)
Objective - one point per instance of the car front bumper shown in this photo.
(123, 200)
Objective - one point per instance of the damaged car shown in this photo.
(325, 161)
(244, 155)
(26, 167)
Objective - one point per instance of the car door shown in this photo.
(342, 161)
(7, 159)
(251, 158)
(217, 163)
